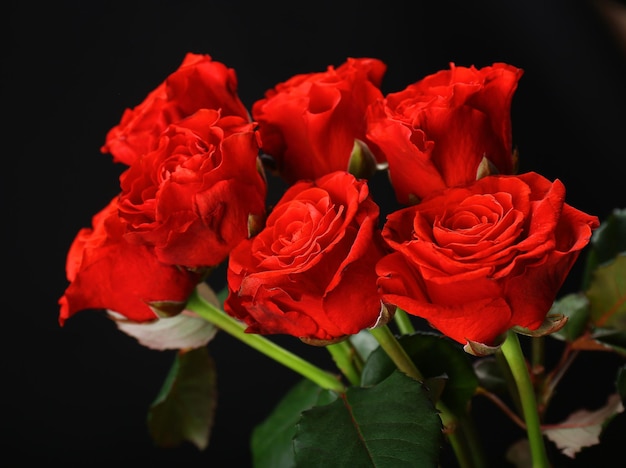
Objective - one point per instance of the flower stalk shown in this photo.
(225, 322)
(403, 322)
(343, 354)
(396, 352)
(512, 352)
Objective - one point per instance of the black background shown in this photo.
(81, 393)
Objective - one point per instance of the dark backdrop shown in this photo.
(81, 393)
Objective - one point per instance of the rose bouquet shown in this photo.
(445, 295)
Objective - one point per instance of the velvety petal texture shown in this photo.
(199, 82)
(191, 197)
(442, 130)
(478, 260)
(309, 123)
(107, 272)
(310, 272)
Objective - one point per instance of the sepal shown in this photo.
(321, 343)
(552, 323)
(387, 312)
(362, 163)
(255, 224)
(486, 168)
(167, 309)
(480, 349)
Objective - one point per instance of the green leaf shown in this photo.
(451, 362)
(393, 424)
(271, 441)
(576, 308)
(606, 242)
(489, 374)
(364, 343)
(185, 406)
(221, 296)
(607, 294)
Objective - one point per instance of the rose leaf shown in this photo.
(271, 441)
(576, 308)
(607, 294)
(183, 331)
(490, 375)
(390, 424)
(364, 342)
(606, 242)
(185, 407)
(583, 428)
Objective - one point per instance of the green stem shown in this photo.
(357, 358)
(537, 350)
(343, 355)
(455, 431)
(225, 322)
(396, 352)
(403, 322)
(512, 352)
(458, 440)
(465, 424)
(511, 385)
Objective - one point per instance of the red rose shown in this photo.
(200, 82)
(192, 197)
(479, 260)
(436, 132)
(309, 123)
(106, 272)
(310, 272)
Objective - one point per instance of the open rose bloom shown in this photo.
(192, 196)
(447, 129)
(106, 272)
(315, 259)
(478, 260)
(309, 123)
